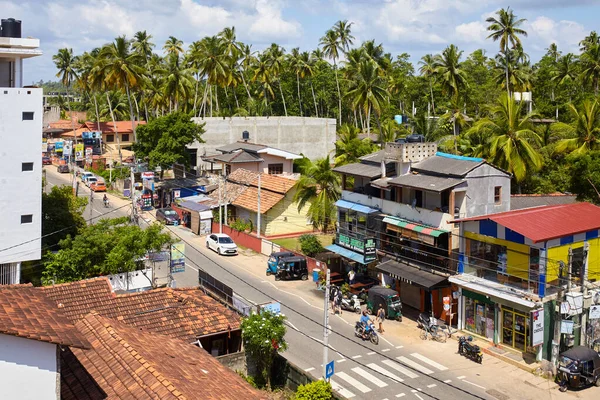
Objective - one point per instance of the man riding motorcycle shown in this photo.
(366, 323)
(105, 200)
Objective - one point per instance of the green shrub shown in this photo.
(317, 390)
(241, 225)
(310, 245)
(345, 289)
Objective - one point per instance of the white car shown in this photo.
(89, 180)
(84, 176)
(221, 243)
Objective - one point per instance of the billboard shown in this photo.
(177, 257)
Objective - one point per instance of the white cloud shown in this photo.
(269, 22)
(544, 31)
(472, 32)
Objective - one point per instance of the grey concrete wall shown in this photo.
(313, 137)
(480, 191)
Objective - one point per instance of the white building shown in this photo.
(20, 158)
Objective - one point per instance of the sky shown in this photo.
(417, 27)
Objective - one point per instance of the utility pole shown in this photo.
(225, 197)
(132, 193)
(586, 301)
(559, 299)
(258, 210)
(220, 203)
(326, 326)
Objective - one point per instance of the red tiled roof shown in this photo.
(125, 363)
(78, 132)
(109, 127)
(27, 312)
(179, 313)
(248, 199)
(65, 124)
(274, 183)
(548, 222)
(242, 176)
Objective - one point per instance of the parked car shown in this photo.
(221, 243)
(85, 175)
(46, 161)
(98, 186)
(90, 180)
(63, 169)
(168, 216)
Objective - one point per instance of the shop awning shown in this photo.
(359, 258)
(403, 223)
(406, 271)
(355, 206)
(487, 289)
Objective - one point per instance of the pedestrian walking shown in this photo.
(333, 297)
(381, 318)
(351, 275)
(338, 301)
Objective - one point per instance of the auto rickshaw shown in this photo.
(274, 259)
(578, 367)
(292, 268)
(389, 298)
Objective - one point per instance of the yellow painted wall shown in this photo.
(559, 253)
(517, 254)
(287, 208)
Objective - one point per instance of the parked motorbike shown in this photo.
(424, 321)
(351, 304)
(468, 349)
(359, 331)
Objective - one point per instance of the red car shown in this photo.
(46, 161)
(98, 186)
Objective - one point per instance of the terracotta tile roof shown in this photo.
(231, 191)
(27, 312)
(178, 313)
(125, 363)
(78, 132)
(108, 127)
(242, 176)
(274, 183)
(65, 124)
(248, 199)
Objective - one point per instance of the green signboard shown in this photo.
(365, 246)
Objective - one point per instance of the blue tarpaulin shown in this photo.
(346, 253)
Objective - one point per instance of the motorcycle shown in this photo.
(466, 348)
(359, 331)
(106, 203)
(351, 304)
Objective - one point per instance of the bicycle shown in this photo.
(436, 332)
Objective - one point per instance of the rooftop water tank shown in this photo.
(245, 135)
(11, 28)
(415, 138)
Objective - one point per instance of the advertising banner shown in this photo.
(594, 312)
(177, 258)
(79, 151)
(58, 146)
(67, 148)
(536, 319)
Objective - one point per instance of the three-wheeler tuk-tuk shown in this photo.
(274, 259)
(292, 268)
(578, 367)
(389, 298)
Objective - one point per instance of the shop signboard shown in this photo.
(44, 147)
(536, 319)
(370, 249)
(365, 246)
(79, 151)
(58, 146)
(177, 257)
(148, 180)
(67, 148)
(566, 326)
(594, 312)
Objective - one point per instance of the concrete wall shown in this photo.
(20, 191)
(480, 191)
(28, 369)
(133, 281)
(288, 165)
(313, 137)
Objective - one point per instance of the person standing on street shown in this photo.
(381, 318)
(351, 275)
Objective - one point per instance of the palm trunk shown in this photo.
(432, 103)
(217, 98)
(196, 93)
(146, 110)
(112, 116)
(97, 113)
(381, 144)
(337, 82)
(237, 103)
(314, 99)
(362, 122)
(369, 122)
(211, 100)
(130, 110)
(245, 84)
(507, 83)
(282, 98)
(299, 99)
(203, 105)
(72, 124)
(137, 108)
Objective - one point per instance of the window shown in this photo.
(27, 219)
(498, 194)
(275, 169)
(27, 115)
(27, 166)
(125, 137)
(110, 138)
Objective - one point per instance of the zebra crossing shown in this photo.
(360, 380)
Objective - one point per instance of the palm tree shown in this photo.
(121, 70)
(511, 138)
(262, 74)
(331, 46)
(427, 70)
(66, 64)
(344, 34)
(318, 187)
(585, 128)
(506, 29)
(300, 64)
(177, 81)
(591, 40)
(590, 62)
(246, 60)
(368, 92)
(173, 46)
(142, 45)
(214, 65)
(84, 65)
(276, 57)
(447, 67)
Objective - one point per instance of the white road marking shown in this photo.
(384, 350)
(460, 377)
(400, 395)
(428, 361)
(448, 381)
(309, 369)
(370, 377)
(400, 368)
(385, 372)
(415, 365)
(292, 325)
(370, 353)
(353, 382)
(399, 347)
(342, 360)
(344, 392)
(474, 384)
(431, 386)
(358, 356)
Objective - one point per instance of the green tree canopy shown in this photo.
(163, 140)
(111, 246)
(62, 212)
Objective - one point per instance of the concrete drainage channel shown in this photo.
(498, 395)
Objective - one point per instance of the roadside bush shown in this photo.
(240, 225)
(345, 289)
(310, 245)
(317, 390)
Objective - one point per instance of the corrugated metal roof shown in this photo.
(374, 157)
(446, 166)
(550, 222)
(241, 156)
(359, 169)
(403, 269)
(426, 182)
(228, 148)
(190, 205)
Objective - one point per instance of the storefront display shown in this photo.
(515, 329)
(479, 315)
